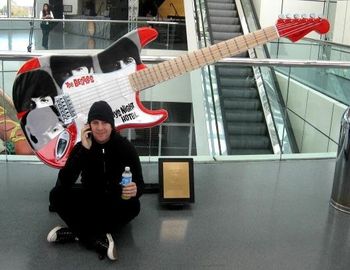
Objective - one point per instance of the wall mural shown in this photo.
(12, 139)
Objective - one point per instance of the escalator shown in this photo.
(244, 122)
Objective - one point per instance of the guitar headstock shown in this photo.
(296, 27)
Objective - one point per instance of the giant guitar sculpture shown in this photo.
(52, 94)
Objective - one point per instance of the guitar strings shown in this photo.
(84, 97)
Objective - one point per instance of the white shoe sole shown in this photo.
(52, 236)
(111, 252)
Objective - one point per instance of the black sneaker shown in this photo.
(61, 235)
(105, 247)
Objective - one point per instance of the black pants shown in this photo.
(46, 30)
(90, 214)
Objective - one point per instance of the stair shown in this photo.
(244, 122)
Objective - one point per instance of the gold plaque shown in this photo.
(176, 180)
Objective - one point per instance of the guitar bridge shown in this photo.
(65, 108)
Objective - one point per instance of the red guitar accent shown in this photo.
(52, 94)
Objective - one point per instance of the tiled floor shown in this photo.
(247, 215)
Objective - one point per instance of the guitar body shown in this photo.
(53, 94)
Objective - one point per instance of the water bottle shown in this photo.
(126, 179)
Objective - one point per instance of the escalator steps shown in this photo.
(249, 142)
(238, 92)
(240, 102)
(247, 129)
(244, 116)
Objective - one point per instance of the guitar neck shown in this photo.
(167, 70)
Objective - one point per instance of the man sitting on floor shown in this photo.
(101, 205)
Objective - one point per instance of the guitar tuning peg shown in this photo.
(289, 16)
(313, 15)
(282, 16)
(305, 16)
(296, 16)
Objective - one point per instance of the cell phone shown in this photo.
(89, 129)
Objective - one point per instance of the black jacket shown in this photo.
(101, 166)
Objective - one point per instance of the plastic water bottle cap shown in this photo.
(127, 168)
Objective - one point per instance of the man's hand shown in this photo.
(86, 136)
(130, 190)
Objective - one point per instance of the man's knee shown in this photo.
(57, 196)
(132, 210)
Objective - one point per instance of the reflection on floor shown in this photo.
(247, 215)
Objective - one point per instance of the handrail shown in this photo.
(336, 47)
(234, 61)
(272, 114)
(326, 42)
(209, 82)
(286, 62)
(29, 19)
(269, 82)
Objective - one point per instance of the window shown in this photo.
(3, 8)
(17, 8)
(22, 8)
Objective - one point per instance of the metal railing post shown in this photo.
(340, 198)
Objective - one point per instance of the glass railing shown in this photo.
(309, 49)
(314, 117)
(26, 34)
(334, 82)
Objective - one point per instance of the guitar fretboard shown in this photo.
(167, 70)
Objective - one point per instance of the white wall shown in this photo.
(341, 23)
(268, 11)
(315, 118)
(75, 6)
(175, 90)
(197, 93)
(257, 5)
(338, 14)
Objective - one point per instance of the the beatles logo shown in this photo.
(83, 80)
(125, 112)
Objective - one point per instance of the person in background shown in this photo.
(100, 206)
(45, 14)
(90, 9)
(148, 8)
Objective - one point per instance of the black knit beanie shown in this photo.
(100, 110)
